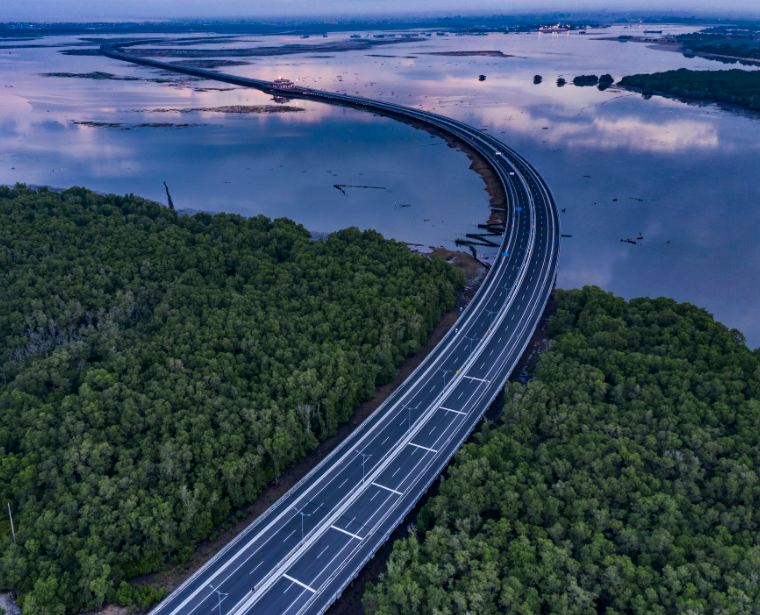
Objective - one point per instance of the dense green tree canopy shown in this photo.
(734, 87)
(157, 371)
(622, 479)
(729, 41)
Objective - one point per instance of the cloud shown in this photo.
(625, 132)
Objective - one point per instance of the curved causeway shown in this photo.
(299, 555)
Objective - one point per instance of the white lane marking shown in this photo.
(288, 536)
(387, 488)
(257, 566)
(374, 495)
(340, 529)
(396, 471)
(479, 394)
(297, 582)
(384, 441)
(513, 232)
(498, 340)
(432, 388)
(418, 446)
(460, 394)
(479, 379)
(323, 551)
(490, 353)
(343, 483)
(452, 410)
(424, 448)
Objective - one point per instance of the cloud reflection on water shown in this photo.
(618, 164)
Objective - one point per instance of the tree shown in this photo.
(623, 478)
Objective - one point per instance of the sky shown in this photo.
(72, 10)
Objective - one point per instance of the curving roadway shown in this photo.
(299, 555)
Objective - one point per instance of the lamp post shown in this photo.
(221, 599)
(364, 457)
(303, 514)
(409, 408)
(470, 340)
(446, 371)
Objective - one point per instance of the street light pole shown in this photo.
(445, 371)
(470, 339)
(364, 459)
(409, 409)
(303, 514)
(219, 595)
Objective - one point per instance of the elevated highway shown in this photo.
(299, 555)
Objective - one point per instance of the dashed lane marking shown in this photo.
(340, 529)
(387, 488)
(424, 448)
(297, 582)
(452, 410)
(322, 552)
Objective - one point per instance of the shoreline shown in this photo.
(497, 199)
(475, 271)
(663, 44)
(171, 577)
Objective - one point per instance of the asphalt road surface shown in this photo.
(300, 554)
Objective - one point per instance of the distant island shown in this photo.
(733, 87)
(734, 44)
(622, 479)
(602, 82)
(728, 43)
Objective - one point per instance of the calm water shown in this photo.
(682, 177)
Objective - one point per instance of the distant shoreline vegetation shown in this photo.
(158, 371)
(602, 82)
(732, 43)
(736, 87)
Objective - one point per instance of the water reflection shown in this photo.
(621, 167)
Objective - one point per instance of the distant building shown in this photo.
(283, 84)
(553, 29)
